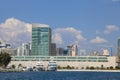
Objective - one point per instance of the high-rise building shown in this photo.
(53, 49)
(119, 49)
(74, 50)
(24, 49)
(41, 40)
(69, 49)
(60, 51)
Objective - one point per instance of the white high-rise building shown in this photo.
(24, 49)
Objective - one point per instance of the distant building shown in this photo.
(118, 53)
(41, 40)
(72, 50)
(60, 51)
(69, 48)
(53, 49)
(24, 49)
(7, 48)
(106, 52)
(65, 52)
(10, 51)
(82, 52)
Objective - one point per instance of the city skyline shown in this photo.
(92, 25)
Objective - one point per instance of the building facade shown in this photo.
(81, 62)
(53, 49)
(41, 40)
(118, 49)
(24, 49)
(60, 51)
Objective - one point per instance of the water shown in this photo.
(60, 75)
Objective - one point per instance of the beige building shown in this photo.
(80, 62)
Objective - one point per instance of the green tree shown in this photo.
(13, 66)
(20, 65)
(111, 67)
(92, 67)
(68, 67)
(5, 58)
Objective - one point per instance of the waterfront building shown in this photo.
(53, 49)
(41, 40)
(80, 62)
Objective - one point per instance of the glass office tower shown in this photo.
(41, 40)
(119, 49)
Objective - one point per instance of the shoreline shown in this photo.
(81, 70)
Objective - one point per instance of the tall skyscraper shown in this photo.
(41, 40)
(119, 49)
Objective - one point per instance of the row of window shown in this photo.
(99, 59)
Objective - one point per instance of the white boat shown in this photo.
(52, 66)
(28, 68)
(39, 67)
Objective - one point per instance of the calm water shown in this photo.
(60, 76)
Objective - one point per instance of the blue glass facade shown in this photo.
(119, 49)
(41, 40)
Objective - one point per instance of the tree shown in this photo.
(92, 67)
(13, 66)
(20, 65)
(5, 58)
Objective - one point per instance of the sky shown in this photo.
(91, 24)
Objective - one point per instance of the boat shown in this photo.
(28, 68)
(52, 65)
(39, 67)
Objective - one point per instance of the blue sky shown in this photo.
(92, 24)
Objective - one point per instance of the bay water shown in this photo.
(60, 75)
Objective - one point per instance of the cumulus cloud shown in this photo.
(67, 35)
(98, 40)
(57, 38)
(15, 31)
(110, 28)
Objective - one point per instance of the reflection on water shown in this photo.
(60, 76)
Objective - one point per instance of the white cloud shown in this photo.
(98, 40)
(110, 28)
(15, 31)
(57, 38)
(67, 35)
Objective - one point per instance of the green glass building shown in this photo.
(41, 40)
(119, 49)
